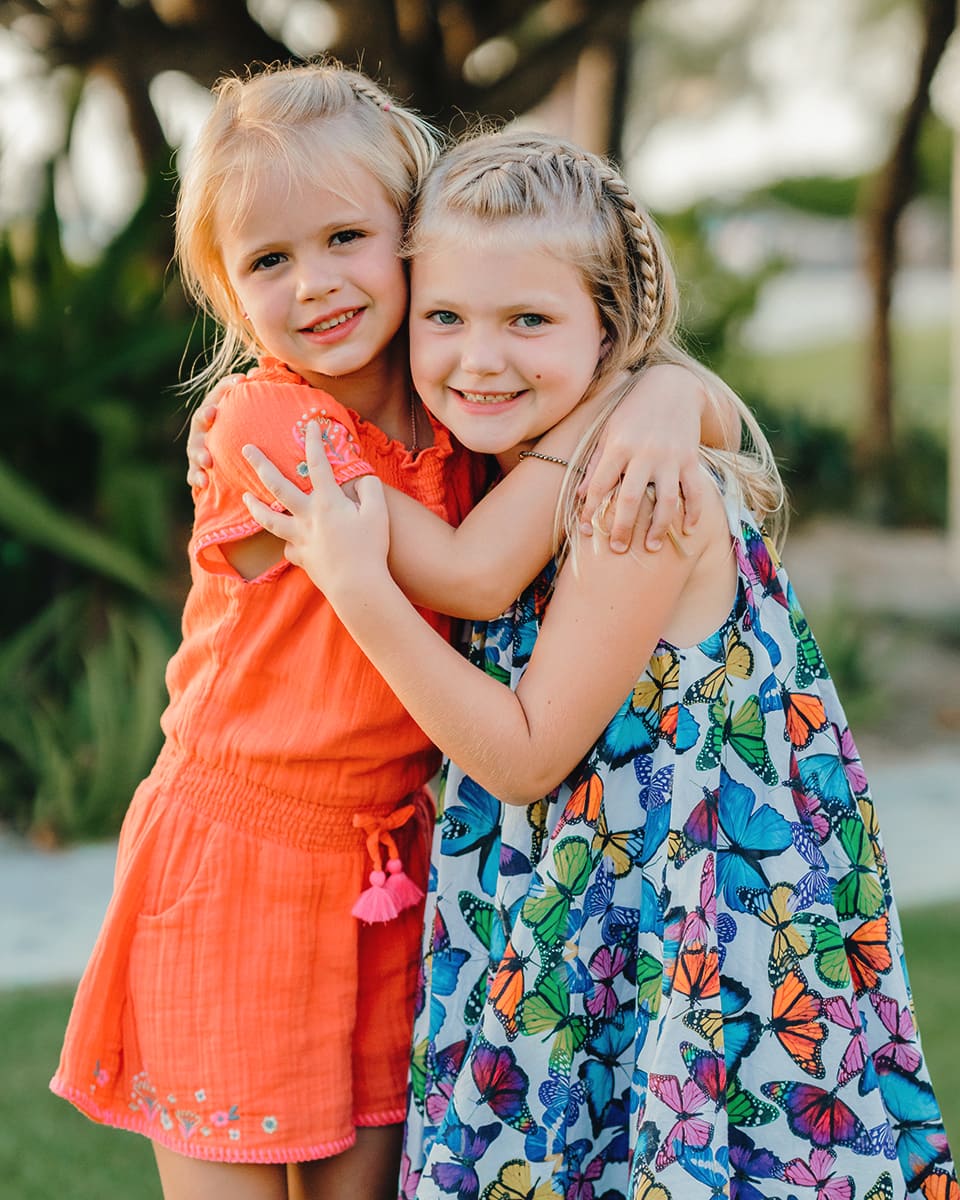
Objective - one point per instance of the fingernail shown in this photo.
(618, 547)
(586, 528)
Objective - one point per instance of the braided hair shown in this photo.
(578, 207)
(308, 122)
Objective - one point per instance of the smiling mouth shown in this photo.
(489, 397)
(323, 326)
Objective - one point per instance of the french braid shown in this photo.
(550, 193)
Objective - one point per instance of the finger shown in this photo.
(587, 477)
(628, 511)
(318, 465)
(606, 477)
(692, 480)
(665, 510)
(196, 477)
(276, 483)
(222, 386)
(370, 494)
(205, 416)
(277, 523)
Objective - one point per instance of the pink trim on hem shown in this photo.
(200, 1149)
(392, 1116)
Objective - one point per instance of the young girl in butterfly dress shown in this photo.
(249, 1001)
(661, 959)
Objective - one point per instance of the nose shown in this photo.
(317, 277)
(480, 353)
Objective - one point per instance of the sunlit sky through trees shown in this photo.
(720, 102)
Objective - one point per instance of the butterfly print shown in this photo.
(679, 975)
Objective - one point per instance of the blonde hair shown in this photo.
(304, 120)
(578, 207)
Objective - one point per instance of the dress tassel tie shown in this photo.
(391, 890)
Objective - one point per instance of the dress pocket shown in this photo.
(184, 866)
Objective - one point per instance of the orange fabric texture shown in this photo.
(233, 1008)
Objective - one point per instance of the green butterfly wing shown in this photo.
(860, 891)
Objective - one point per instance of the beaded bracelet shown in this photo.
(561, 462)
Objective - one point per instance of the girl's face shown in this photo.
(504, 341)
(316, 271)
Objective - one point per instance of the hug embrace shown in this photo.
(658, 955)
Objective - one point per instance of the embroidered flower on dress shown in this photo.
(269, 1124)
(337, 440)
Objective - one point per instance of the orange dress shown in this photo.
(233, 1007)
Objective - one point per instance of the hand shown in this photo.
(199, 460)
(659, 447)
(341, 543)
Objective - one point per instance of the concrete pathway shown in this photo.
(51, 902)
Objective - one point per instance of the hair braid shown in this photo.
(649, 264)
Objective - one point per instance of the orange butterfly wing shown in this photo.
(805, 716)
(506, 990)
(940, 1185)
(868, 953)
(584, 803)
(795, 1021)
(697, 973)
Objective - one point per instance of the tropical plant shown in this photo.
(92, 503)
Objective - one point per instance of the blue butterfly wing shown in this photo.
(474, 824)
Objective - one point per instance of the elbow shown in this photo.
(522, 790)
(488, 605)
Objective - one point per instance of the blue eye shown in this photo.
(531, 320)
(443, 316)
(345, 237)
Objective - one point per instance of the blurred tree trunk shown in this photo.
(893, 188)
(451, 58)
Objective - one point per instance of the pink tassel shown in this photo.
(401, 887)
(375, 903)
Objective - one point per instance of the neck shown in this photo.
(379, 392)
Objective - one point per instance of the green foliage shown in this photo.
(91, 729)
(808, 401)
(935, 157)
(94, 510)
(715, 301)
(823, 195)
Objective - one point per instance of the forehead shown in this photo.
(330, 192)
(488, 261)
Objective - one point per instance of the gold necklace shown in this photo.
(414, 443)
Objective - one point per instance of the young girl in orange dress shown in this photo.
(662, 959)
(248, 1004)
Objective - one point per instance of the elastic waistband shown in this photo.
(303, 822)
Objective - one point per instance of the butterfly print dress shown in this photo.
(681, 975)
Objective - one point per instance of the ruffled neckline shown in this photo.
(273, 370)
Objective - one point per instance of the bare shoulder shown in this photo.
(711, 585)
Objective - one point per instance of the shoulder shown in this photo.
(271, 411)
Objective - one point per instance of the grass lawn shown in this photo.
(826, 382)
(48, 1150)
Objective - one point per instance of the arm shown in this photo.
(478, 569)
(474, 570)
(199, 459)
(226, 539)
(601, 628)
